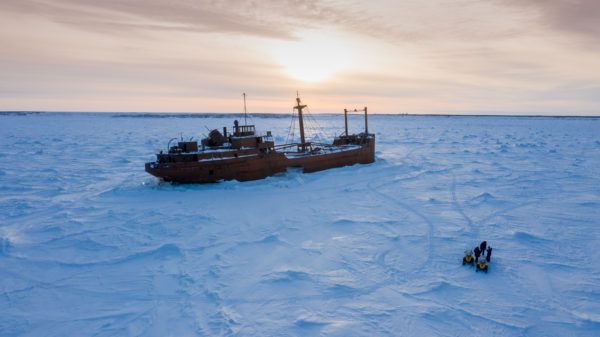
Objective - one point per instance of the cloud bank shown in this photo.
(458, 56)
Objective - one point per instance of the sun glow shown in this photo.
(315, 56)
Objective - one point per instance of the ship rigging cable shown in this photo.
(291, 131)
(246, 114)
(310, 125)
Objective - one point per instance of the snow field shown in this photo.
(92, 245)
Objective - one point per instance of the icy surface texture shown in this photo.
(90, 245)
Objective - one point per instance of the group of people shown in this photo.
(481, 259)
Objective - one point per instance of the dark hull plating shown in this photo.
(248, 167)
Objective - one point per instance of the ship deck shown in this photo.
(321, 150)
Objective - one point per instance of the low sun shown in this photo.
(314, 57)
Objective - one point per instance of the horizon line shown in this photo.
(183, 113)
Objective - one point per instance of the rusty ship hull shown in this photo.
(243, 156)
(241, 168)
(258, 165)
(361, 154)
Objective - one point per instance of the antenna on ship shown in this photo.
(245, 111)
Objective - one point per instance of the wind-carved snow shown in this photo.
(90, 245)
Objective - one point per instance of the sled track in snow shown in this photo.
(474, 230)
(393, 200)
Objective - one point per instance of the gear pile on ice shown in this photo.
(481, 260)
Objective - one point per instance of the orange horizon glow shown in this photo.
(446, 57)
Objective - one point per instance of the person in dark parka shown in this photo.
(482, 246)
(489, 254)
(477, 252)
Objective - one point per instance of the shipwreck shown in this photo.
(243, 155)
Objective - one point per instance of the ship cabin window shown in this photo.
(244, 130)
(247, 129)
(211, 172)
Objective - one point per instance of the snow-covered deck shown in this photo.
(327, 149)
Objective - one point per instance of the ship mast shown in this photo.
(346, 121)
(366, 122)
(299, 107)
